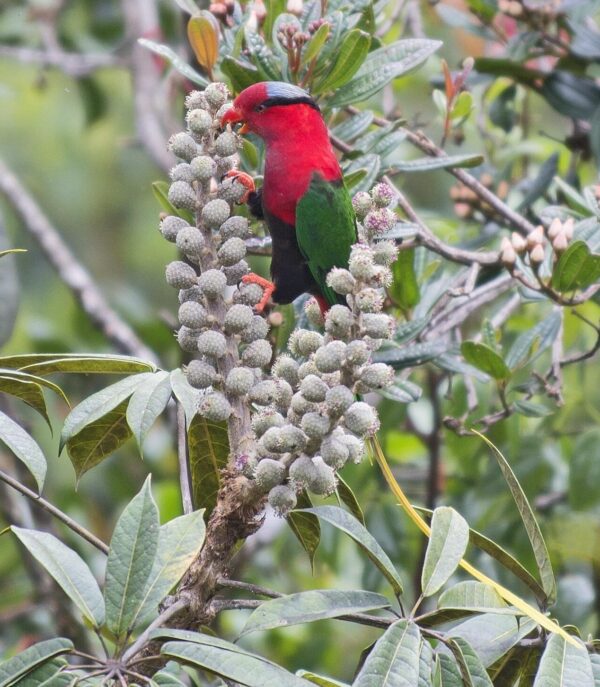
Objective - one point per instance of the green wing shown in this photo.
(325, 230)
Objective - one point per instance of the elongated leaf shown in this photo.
(320, 680)
(130, 560)
(471, 594)
(45, 675)
(348, 58)
(595, 661)
(427, 164)
(27, 391)
(576, 268)
(346, 496)
(354, 125)
(306, 607)
(409, 356)
(471, 668)
(394, 660)
(445, 549)
(46, 363)
(26, 377)
(68, 569)
(584, 472)
(233, 664)
(173, 58)
(485, 359)
(100, 404)
(410, 330)
(10, 251)
(532, 528)
(534, 341)
(208, 448)
(314, 45)
(203, 35)
(447, 673)
(165, 678)
(185, 394)
(350, 525)
(23, 663)
(305, 527)
(17, 440)
(147, 403)
(179, 542)
(241, 73)
(262, 55)
(405, 288)
(425, 664)
(563, 665)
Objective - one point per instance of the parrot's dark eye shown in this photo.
(260, 108)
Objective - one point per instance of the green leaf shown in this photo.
(320, 679)
(382, 66)
(584, 472)
(147, 403)
(394, 660)
(427, 164)
(445, 549)
(203, 35)
(409, 356)
(130, 560)
(425, 664)
(179, 542)
(354, 177)
(305, 527)
(485, 359)
(539, 186)
(576, 268)
(26, 377)
(185, 394)
(563, 665)
(98, 405)
(348, 59)
(165, 678)
(306, 607)
(534, 341)
(208, 449)
(446, 673)
(160, 190)
(463, 106)
(471, 668)
(354, 125)
(16, 667)
(350, 525)
(314, 45)
(45, 675)
(529, 409)
(532, 528)
(10, 251)
(17, 440)
(405, 287)
(573, 198)
(174, 60)
(402, 391)
(27, 391)
(571, 95)
(68, 569)
(347, 497)
(241, 73)
(230, 662)
(268, 65)
(473, 595)
(595, 660)
(47, 363)
(407, 331)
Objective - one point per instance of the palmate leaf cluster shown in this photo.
(451, 630)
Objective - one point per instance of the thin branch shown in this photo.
(71, 272)
(142, 640)
(53, 510)
(248, 587)
(72, 64)
(184, 468)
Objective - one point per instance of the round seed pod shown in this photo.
(313, 312)
(268, 474)
(239, 381)
(302, 472)
(293, 439)
(357, 352)
(226, 144)
(368, 300)
(284, 395)
(285, 367)
(216, 94)
(385, 253)
(190, 242)
(171, 226)
(300, 406)
(237, 318)
(212, 344)
(307, 368)
(309, 341)
(270, 441)
(339, 321)
(313, 388)
(377, 376)
(203, 167)
(338, 399)
(334, 452)
(231, 190)
(215, 407)
(264, 393)
(362, 204)
(215, 212)
(257, 354)
(192, 294)
(355, 446)
(232, 251)
(188, 339)
(182, 195)
(182, 172)
(315, 425)
(212, 283)
(257, 329)
(382, 194)
(250, 294)
(330, 357)
(341, 281)
(235, 227)
(361, 418)
(182, 145)
(200, 374)
(324, 480)
(195, 100)
(199, 121)
(225, 164)
(180, 275)
(265, 418)
(378, 325)
(192, 315)
(235, 273)
(361, 263)
(282, 500)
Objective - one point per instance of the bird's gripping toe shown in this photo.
(243, 179)
(267, 286)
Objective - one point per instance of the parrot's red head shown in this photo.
(264, 108)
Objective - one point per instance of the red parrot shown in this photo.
(303, 199)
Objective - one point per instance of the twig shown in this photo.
(141, 641)
(72, 64)
(184, 468)
(53, 510)
(72, 273)
(248, 587)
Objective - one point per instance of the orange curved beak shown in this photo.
(233, 116)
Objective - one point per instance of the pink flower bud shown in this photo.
(508, 255)
(568, 227)
(560, 242)
(518, 242)
(295, 7)
(555, 228)
(537, 254)
(535, 237)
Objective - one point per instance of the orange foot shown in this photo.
(243, 179)
(267, 286)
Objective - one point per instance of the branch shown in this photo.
(184, 468)
(142, 640)
(72, 273)
(53, 510)
(72, 64)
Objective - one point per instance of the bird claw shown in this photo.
(267, 286)
(243, 179)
